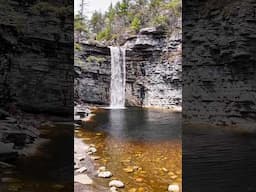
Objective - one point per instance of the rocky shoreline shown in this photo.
(19, 134)
(84, 158)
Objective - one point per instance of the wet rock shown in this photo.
(83, 179)
(132, 190)
(5, 165)
(139, 180)
(173, 188)
(9, 180)
(113, 189)
(81, 170)
(174, 176)
(102, 169)
(105, 174)
(95, 157)
(91, 150)
(128, 169)
(141, 189)
(116, 183)
(76, 167)
(80, 158)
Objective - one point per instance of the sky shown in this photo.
(92, 5)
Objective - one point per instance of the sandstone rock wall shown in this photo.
(219, 69)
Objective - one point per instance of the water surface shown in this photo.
(141, 147)
(137, 124)
(216, 159)
(50, 169)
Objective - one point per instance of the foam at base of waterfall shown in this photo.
(115, 107)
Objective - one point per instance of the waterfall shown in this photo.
(118, 76)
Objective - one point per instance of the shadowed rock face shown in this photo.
(219, 71)
(36, 57)
(92, 74)
(153, 70)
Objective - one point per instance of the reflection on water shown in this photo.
(218, 160)
(140, 147)
(138, 124)
(49, 170)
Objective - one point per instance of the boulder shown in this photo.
(116, 183)
(83, 179)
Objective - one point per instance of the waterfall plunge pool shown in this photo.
(135, 123)
(141, 147)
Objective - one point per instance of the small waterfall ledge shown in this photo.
(118, 78)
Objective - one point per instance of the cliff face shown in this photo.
(153, 70)
(36, 57)
(92, 74)
(219, 71)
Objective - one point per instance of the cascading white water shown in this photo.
(118, 76)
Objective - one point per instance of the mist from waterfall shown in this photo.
(118, 76)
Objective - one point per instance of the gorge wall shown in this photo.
(36, 55)
(153, 70)
(219, 55)
(92, 74)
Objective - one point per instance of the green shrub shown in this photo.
(78, 46)
(104, 35)
(160, 20)
(135, 25)
(92, 59)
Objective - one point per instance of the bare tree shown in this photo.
(81, 16)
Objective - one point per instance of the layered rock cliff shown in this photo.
(153, 70)
(36, 55)
(219, 71)
(92, 74)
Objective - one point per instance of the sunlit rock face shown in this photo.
(153, 70)
(36, 57)
(219, 71)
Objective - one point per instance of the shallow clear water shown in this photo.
(141, 147)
